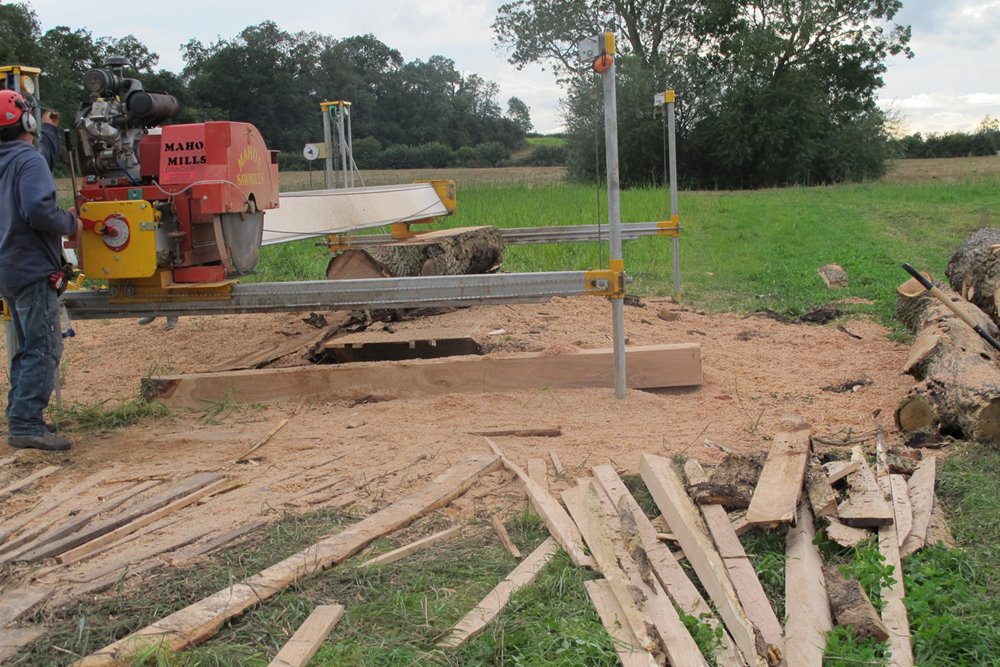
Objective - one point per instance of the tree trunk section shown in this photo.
(974, 270)
(959, 388)
(446, 252)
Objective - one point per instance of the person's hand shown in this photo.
(51, 117)
(79, 222)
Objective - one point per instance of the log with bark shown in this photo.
(959, 381)
(974, 270)
(444, 252)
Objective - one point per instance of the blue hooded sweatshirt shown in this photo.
(31, 223)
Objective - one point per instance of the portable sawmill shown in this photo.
(166, 208)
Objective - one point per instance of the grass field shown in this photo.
(740, 251)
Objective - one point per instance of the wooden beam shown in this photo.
(13, 640)
(664, 565)
(664, 483)
(620, 558)
(845, 536)
(201, 620)
(302, 646)
(921, 491)
(178, 490)
(44, 535)
(494, 602)
(629, 651)
(16, 602)
(893, 609)
(741, 573)
(557, 464)
(556, 519)
(504, 536)
(538, 471)
(648, 367)
(838, 470)
(413, 547)
(219, 541)
(87, 549)
(54, 503)
(937, 529)
(807, 608)
(25, 482)
(865, 505)
(902, 510)
(780, 485)
(822, 497)
(522, 433)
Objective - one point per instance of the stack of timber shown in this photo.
(643, 594)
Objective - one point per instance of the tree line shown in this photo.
(984, 141)
(769, 92)
(276, 79)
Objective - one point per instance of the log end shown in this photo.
(987, 425)
(916, 412)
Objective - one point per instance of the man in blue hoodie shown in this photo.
(31, 229)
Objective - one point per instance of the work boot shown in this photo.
(148, 319)
(171, 323)
(52, 428)
(49, 442)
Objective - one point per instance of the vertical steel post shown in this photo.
(350, 148)
(672, 151)
(328, 140)
(615, 223)
(343, 143)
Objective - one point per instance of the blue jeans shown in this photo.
(35, 315)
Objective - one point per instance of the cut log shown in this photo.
(133, 515)
(200, 621)
(413, 547)
(822, 497)
(959, 380)
(851, 606)
(25, 482)
(558, 522)
(921, 490)
(443, 252)
(731, 483)
(834, 276)
(865, 504)
(302, 646)
(504, 536)
(652, 366)
(664, 565)
(13, 604)
(664, 483)
(629, 651)
(974, 270)
(902, 510)
(780, 485)
(741, 573)
(806, 606)
(617, 549)
(490, 607)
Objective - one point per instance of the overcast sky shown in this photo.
(951, 84)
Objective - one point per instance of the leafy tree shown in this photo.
(519, 113)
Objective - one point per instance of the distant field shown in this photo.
(300, 180)
(546, 141)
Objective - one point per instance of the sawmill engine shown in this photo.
(166, 205)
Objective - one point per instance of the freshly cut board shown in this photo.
(652, 366)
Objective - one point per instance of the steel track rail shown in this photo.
(433, 291)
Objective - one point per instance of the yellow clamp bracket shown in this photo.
(669, 97)
(610, 283)
(671, 227)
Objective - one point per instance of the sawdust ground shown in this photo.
(755, 369)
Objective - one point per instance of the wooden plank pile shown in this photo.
(643, 594)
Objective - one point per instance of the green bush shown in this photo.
(434, 155)
(492, 153)
(367, 153)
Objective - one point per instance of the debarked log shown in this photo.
(959, 380)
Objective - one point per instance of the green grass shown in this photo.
(99, 415)
(546, 141)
